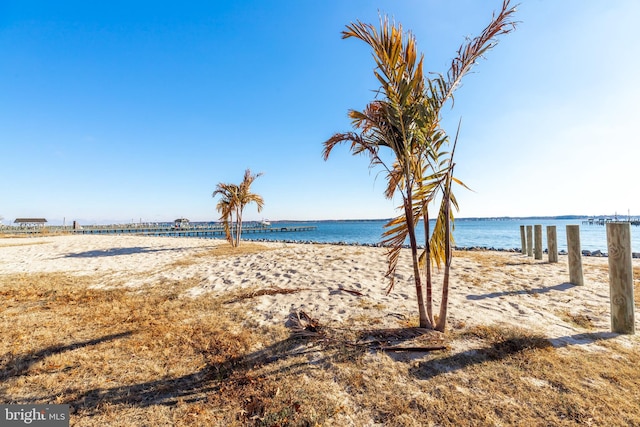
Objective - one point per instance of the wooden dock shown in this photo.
(604, 221)
(193, 231)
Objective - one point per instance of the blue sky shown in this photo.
(118, 111)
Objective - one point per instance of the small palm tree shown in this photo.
(233, 199)
(227, 207)
(406, 120)
(245, 197)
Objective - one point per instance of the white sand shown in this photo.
(486, 287)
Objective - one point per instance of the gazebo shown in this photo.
(30, 222)
(181, 223)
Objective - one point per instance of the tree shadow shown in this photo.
(193, 387)
(558, 288)
(117, 252)
(515, 264)
(18, 366)
(532, 261)
(500, 350)
(582, 339)
(317, 351)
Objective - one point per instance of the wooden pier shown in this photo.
(191, 231)
(605, 221)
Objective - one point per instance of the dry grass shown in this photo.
(222, 250)
(4, 234)
(226, 249)
(6, 245)
(636, 285)
(244, 294)
(489, 257)
(578, 319)
(150, 356)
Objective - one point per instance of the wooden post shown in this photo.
(523, 239)
(575, 255)
(621, 278)
(538, 241)
(552, 243)
(529, 240)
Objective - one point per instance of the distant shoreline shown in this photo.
(59, 223)
(502, 234)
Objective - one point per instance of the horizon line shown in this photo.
(570, 216)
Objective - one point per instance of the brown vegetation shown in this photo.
(222, 250)
(153, 356)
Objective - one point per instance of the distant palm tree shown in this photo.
(406, 119)
(226, 206)
(233, 199)
(245, 196)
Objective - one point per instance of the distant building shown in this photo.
(30, 222)
(181, 223)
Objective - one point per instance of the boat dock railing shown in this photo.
(603, 221)
(153, 230)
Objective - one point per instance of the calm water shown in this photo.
(498, 234)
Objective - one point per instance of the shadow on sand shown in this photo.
(20, 365)
(213, 378)
(197, 385)
(500, 350)
(557, 288)
(117, 252)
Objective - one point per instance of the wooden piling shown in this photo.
(621, 278)
(523, 239)
(529, 240)
(538, 241)
(552, 243)
(575, 255)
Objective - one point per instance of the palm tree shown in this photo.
(227, 207)
(245, 196)
(407, 121)
(232, 202)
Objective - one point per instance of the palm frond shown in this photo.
(441, 89)
(394, 237)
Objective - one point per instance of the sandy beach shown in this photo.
(136, 330)
(334, 284)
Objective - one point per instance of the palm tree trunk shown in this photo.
(227, 227)
(427, 265)
(232, 226)
(442, 318)
(239, 227)
(424, 321)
